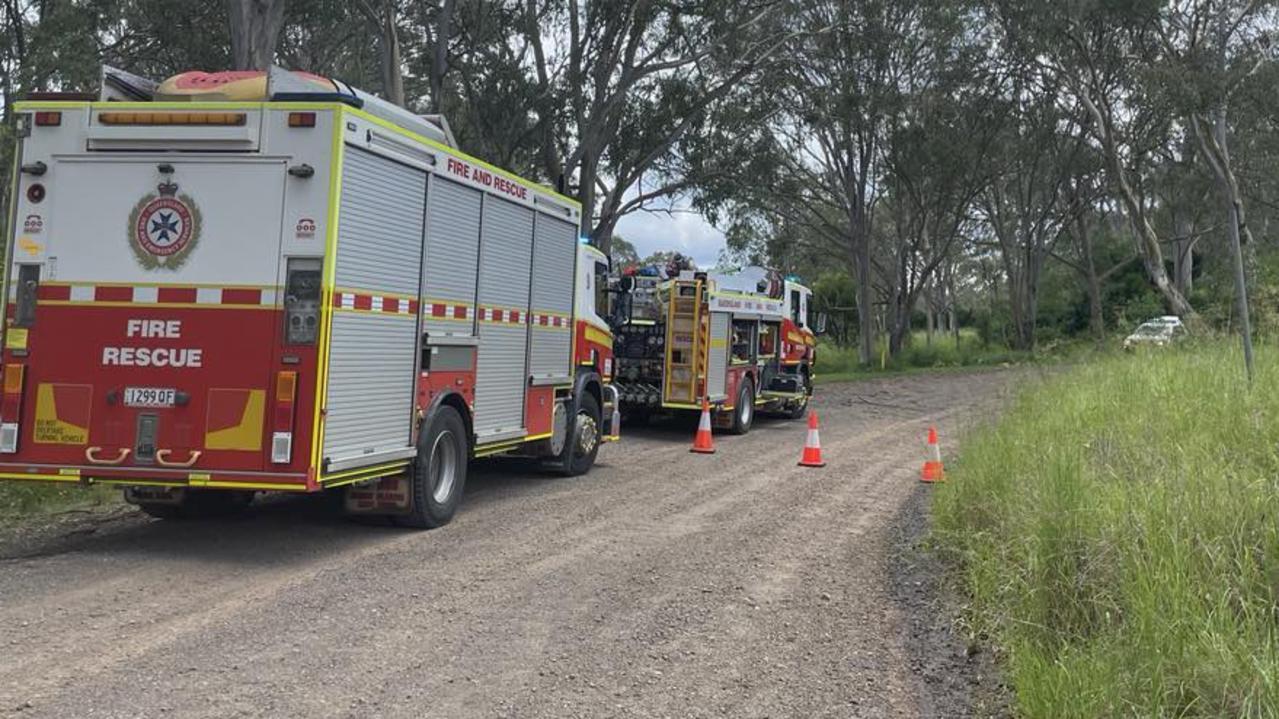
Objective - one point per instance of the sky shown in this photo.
(685, 231)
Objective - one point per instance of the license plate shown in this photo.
(150, 396)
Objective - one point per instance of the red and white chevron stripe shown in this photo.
(447, 311)
(79, 293)
(368, 302)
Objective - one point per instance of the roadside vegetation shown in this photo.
(964, 350)
(23, 499)
(1118, 536)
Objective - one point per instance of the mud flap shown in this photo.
(154, 495)
(388, 495)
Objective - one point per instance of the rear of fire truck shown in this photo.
(738, 342)
(163, 308)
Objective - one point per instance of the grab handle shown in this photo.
(89, 453)
(161, 458)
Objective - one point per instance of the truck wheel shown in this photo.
(201, 505)
(583, 440)
(744, 411)
(799, 408)
(439, 474)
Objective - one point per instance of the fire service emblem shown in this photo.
(164, 228)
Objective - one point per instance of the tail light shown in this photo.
(301, 119)
(286, 386)
(48, 119)
(11, 407)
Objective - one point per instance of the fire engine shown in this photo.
(737, 342)
(229, 283)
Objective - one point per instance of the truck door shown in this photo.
(377, 281)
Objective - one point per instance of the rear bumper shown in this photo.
(144, 477)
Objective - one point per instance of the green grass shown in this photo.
(839, 364)
(1117, 532)
(33, 498)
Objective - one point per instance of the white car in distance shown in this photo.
(1158, 332)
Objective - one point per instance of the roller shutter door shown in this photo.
(452, 251)
(506, 242)
(372, 362)
(551, 340)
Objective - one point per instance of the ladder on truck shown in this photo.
(685, 343)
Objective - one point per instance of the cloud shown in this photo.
(684, 231)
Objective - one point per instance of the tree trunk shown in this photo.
(440, 57)
(1096, 322)
(392, 66)
(1212, 141)
(865, 298)
(255, 28)
(1183, 259)
(1147, 239)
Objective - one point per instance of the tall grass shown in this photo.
(841, 362)
(1118, 532)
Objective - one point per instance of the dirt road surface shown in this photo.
(662, 584)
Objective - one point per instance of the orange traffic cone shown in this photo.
(812, 446)
(933, 471)
(702, 442)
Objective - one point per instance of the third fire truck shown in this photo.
(737, 342)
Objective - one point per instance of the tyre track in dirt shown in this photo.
(662, 584)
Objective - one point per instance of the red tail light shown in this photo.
(48, 119)
(11, 407)
(301, 119)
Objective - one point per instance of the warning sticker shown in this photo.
(62, 413)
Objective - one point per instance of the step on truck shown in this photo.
(737, 342)
(240, 282)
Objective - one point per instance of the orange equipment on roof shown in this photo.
(233, 85)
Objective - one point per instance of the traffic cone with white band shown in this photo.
(933, 471)
(812, 445)
(702, 442)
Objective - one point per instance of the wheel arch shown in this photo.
(588, 381)
(457, 402)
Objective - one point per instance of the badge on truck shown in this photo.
(164, 228)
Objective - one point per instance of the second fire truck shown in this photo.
(736, 342)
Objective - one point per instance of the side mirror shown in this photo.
(819, 323)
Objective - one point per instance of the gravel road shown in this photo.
(662, 584)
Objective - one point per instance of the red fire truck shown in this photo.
(737, 341)
(230, 283)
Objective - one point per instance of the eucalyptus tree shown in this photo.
(622, 85)
(1030, 205)
(1099, 52)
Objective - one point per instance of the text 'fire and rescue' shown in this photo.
(480, 176)
(152, 356)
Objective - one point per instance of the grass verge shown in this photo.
(945, 352)
(35, 498)
(1118, 533)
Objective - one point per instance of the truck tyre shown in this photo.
(201, 505)
(744, 410)
(584, 439)
(439, 473)
(799, 408)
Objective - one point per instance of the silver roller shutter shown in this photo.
(452, 251)
(717, 355)
(505, 256)
(554, 257)
(372, 360)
